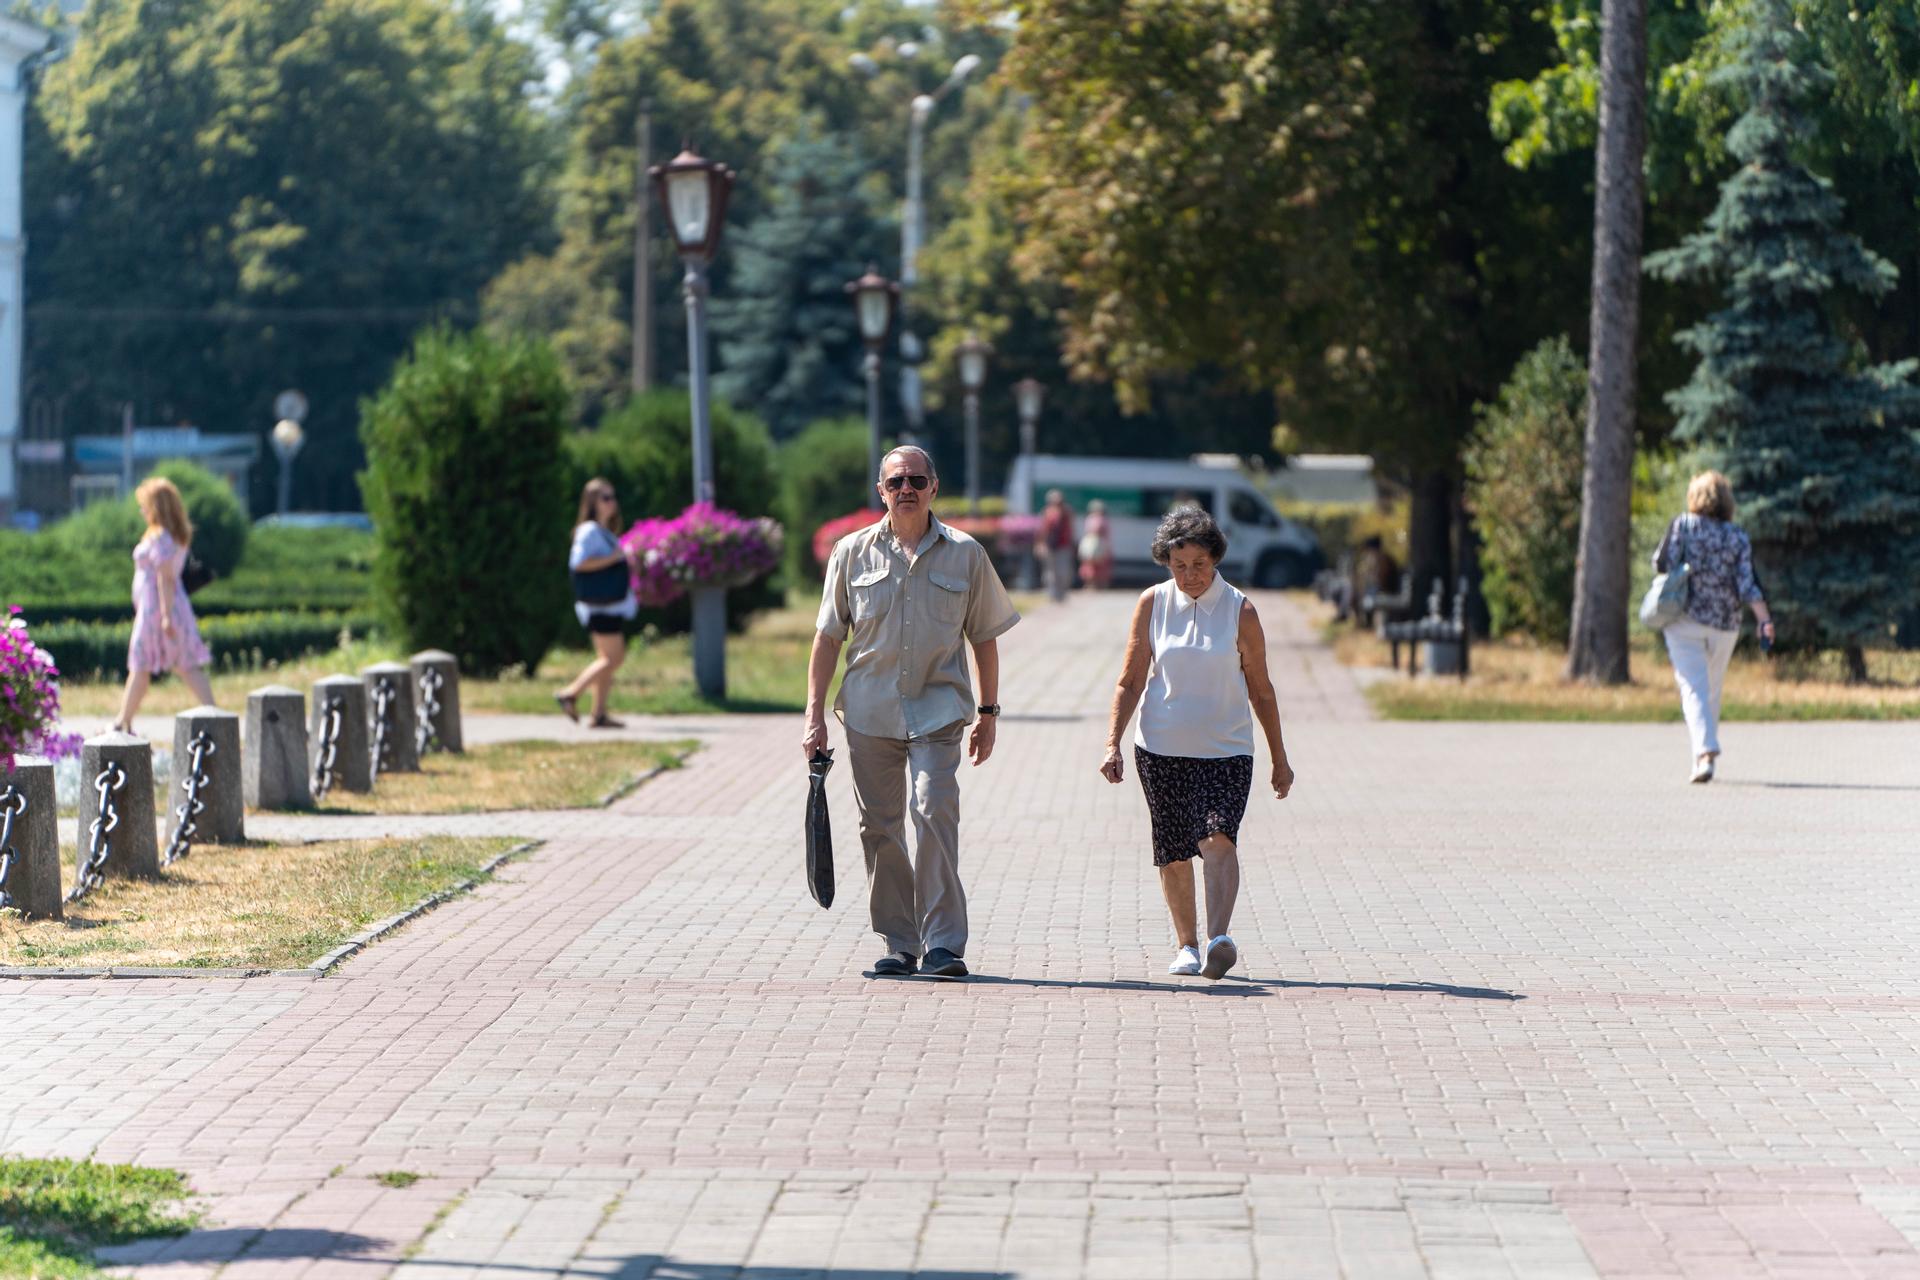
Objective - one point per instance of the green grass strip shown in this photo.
(55, 1213)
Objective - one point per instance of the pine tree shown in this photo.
(1822, 454)
(789, 343)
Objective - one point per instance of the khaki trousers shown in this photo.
(915, 905)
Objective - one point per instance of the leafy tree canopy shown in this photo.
(231, 197)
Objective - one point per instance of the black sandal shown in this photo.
(569, 706)
(607, 722)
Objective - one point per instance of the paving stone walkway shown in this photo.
(1516, 1001)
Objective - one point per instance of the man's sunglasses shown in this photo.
(895, 482)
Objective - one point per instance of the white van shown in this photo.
(1264, 549)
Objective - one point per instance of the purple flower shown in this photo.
(704, 546)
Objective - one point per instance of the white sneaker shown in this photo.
(1186, 961)
(1702, 770)
(1222, 955)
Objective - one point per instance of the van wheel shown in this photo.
(1279, 569)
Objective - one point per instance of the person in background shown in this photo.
(1196, 658)
(603, 600)
(1375, 572)
(1719, 561)
(1096, 547)
(1056, 544)
(165, 635)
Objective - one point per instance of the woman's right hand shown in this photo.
(1113, 768)
(166, 625)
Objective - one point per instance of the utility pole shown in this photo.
(642, 266)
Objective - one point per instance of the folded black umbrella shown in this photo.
(819, 830)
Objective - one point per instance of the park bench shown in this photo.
(1435, 628)
(1378, 608)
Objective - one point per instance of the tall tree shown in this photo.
(738, 78)
(231, 197)
(1597, 649)
(1306, 195)
(1821, 452)
(789, 347)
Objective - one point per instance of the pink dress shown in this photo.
(151, 649)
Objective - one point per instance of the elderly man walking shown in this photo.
(902, 596)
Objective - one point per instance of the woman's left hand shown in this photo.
(166, 626)
(1282, 779)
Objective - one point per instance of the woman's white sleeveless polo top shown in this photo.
(1196, 698)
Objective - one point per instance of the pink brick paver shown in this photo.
(1516, 1001)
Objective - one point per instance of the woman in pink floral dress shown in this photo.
(165, 635)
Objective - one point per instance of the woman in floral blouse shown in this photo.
(1720, 579)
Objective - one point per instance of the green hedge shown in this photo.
(283, 569)
(240, 641)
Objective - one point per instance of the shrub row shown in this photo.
(240, 641)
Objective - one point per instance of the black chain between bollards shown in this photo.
(382, 724)
(92, 872)
(332, 713)
(13, 803)
(186, 817)
(426, 734)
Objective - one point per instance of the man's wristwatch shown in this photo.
(989, 708)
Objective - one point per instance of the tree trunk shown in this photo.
(1598, 648)
(1856, 664)
(1429, 536)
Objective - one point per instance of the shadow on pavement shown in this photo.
(1231, 985)
(1823, 786)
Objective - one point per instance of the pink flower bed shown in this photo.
(703, 546)
(29, 698)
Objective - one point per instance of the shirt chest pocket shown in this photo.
(871, 594)
(948, 599)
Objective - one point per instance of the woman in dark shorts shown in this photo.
(602, 599)
(1196, 658)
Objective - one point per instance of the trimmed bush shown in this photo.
(823, 475)
(646, 449)
(239, 641)
(466, 486)
(1524, 463)
(98, 540)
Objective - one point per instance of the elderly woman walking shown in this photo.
(1196, 657)
(1719, 562)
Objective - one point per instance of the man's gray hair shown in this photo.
(924, 456)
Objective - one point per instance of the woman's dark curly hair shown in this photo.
(1184, 525)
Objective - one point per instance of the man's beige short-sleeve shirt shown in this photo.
(906, 625)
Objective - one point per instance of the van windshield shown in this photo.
(1121, 500)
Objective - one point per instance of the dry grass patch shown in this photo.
(247, 906)
(498, 776)
(1515, 679)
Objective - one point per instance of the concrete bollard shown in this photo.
(402, 754)
(222, 818)
(132, 846)
(31, 850)
(340, 760)
(273, 766)
(436, 699)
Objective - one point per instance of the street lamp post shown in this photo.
(913, 221)
(972, 356)
(874, 297)
(1027, 396)
(288, 439)
(694, 191)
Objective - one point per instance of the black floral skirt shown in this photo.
(1192, 797)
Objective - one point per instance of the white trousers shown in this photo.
(1700, 656)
